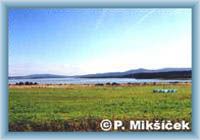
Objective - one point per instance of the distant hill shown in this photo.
(162, 75)
(165, 73)
(38, 76)
(146, 74)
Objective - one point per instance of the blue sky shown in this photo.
(82, 41)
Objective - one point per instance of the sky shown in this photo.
(97, 40)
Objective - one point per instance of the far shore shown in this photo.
(99, 84)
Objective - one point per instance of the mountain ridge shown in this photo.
(134, 71)
(141, 72)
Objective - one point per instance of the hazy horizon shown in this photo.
(87, 41)
(98, 73)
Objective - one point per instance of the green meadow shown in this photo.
(81, 108)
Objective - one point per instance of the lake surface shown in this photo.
(90, 80)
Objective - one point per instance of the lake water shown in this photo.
(90, 80)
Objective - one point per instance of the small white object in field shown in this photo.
(164, 90)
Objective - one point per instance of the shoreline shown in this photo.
(100, 85)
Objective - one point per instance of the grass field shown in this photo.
(82, 107)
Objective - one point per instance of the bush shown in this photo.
(115, 84)
(108, 83)
(26, 83)
(99, 84)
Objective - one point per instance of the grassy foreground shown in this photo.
(82, 107)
